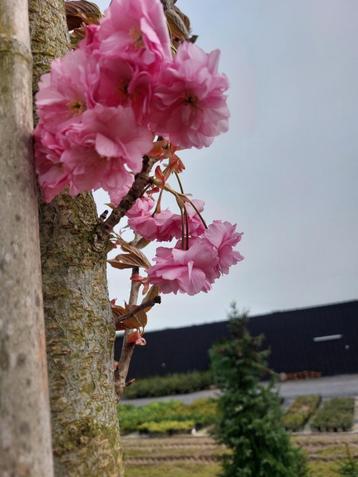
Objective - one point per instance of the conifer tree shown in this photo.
(249, 421)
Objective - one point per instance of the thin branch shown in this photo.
(187, 228)
(120, 374)
(197, 211)
(179, 182)
(146, 304)
(141, 180)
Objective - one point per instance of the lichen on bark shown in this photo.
(78, 319)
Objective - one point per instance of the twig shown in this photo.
(104, 227)
(120, 374)
(140, 182)
(146, 304)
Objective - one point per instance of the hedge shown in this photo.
(167, 427)
(181, 383)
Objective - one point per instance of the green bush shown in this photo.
(335, 415)
(167, 427)
(349, 467)
(250, 419)
(300, 411)
(132, 418)
(181, 383)
(203, 412)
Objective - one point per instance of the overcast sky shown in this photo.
(287, 171)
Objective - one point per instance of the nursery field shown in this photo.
(159, 441)
(181, 456)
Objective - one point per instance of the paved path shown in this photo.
(332, 386)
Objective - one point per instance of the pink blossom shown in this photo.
(64, 93)
(194, 270)
(152, 227)
(189, 106)
(90, 171)
(120, 83)
(53, 175)
(107, 149)
(142, 207)
(187, 271)
(164, 225)
(135, 31)
(104, 149)
(90, 44)
(223, 236)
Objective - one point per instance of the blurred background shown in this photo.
(286, 172)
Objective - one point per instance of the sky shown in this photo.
(287, 171)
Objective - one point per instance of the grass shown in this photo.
(323, 469)
(174, 452)
(174, 470)
(318, 469)
(318, 448)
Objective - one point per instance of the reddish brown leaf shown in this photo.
(81, 11)
(178, 23)
(127, 260)
(150, 296)
(138, 320)
(133, 250)
(159, 175)
(142, 243)
(152, 293)
(118, 310)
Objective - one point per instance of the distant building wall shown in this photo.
(322, 338)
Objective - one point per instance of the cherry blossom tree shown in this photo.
(114, 108)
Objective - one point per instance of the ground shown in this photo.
(197, 456)
(330, 386)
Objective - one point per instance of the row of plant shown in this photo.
(172, 417)
(168, 417)
(335, 415)
(179, 383)
(300, 411)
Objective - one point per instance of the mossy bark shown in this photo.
(78, 319)
(25, 437)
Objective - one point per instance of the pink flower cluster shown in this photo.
(101, 105)
(193, 266)
(164, 225)
(194, 270)
(100, 108)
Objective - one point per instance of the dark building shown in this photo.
(322, 339)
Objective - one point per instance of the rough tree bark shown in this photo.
(79, 327)
(25, 437)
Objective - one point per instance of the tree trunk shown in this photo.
(78, 318)
(25, 437)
